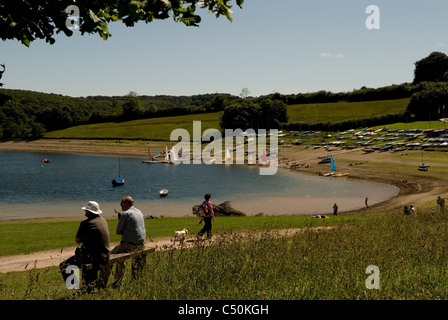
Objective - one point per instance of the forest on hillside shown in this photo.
(27, 115)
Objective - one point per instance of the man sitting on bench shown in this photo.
(93, 234)
(131, 226)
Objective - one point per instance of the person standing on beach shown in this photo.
(335, 209)
(208, 216)
(131, 227)
(441, 203)
(93, 235)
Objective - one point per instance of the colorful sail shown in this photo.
(251, 159)
(333, 167)
(265, 160)
(228, 156)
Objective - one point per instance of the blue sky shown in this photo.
(286, 46)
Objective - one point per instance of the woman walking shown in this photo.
(207, 215)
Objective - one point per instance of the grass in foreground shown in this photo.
(27, 236)
(410, 252)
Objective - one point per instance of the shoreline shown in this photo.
(416, 187)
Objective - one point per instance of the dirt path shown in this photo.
(50, 258)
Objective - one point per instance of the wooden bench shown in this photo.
(138, 263)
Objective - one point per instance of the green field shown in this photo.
(342, 111)
(145, 129)
(420, 125)
(161, 128)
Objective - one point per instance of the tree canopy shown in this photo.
(27, 21)
(433, 68)
(261, 113)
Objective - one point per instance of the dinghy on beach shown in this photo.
(333, 172)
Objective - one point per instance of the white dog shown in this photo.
(180, 235)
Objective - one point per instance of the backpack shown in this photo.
(204, 209)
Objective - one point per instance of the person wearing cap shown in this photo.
(93, 235)
(131, 227)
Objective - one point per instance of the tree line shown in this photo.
(27, 115)
(391, 92)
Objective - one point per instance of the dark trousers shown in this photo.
(207, 227)
(89, 276)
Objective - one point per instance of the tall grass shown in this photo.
(327, 263)
(27, 236)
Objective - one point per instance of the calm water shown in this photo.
(30, 188)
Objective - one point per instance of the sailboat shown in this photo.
(333, 172)
(167, 155)
(149, 157)
(174, 156)
(251, 159)
(423, 167)
(228, 156)
(119, 181)
(156, 159)
(264, 159)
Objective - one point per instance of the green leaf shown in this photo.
(94, 17)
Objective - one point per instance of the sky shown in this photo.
(285, 46)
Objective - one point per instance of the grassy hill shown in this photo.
(336, 112)
(146, 129)
(161, 128)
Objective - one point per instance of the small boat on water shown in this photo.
(163, 192)
(119, 181)
(155, 159)
(45, 160)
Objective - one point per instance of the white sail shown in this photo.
(251, 159)
(167, 154)
(229, 158)
(174, 156)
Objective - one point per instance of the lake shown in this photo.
(30, 188)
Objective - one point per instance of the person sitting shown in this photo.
(93, 235)
(406, 210)
(131, 227)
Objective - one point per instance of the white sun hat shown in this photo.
(93, 207)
